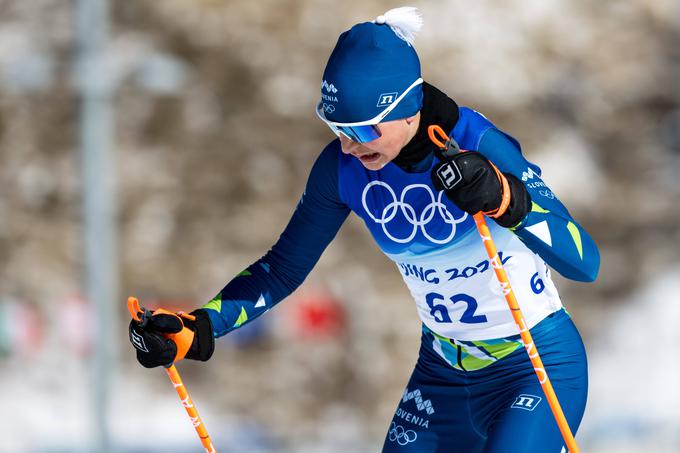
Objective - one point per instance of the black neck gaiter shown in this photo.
(439, 109)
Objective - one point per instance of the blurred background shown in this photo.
(157, 148)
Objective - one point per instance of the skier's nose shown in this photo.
(348, 146)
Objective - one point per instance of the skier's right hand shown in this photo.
(162, 337)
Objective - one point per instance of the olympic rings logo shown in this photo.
(400, 435)
(418, 221)
(547, 193)
(328, 108)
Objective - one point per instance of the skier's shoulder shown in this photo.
(471, 121)
(332, 148)
(327, 161)
(324, 175)
(474, 131)
(332, 162)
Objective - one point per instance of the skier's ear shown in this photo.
(411, 119)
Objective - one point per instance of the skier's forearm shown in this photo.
(561, 242)
(277, 274)
(270, 279)
(548, 229)
(252, 292)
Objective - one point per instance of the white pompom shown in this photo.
(405, 22)
(380, 20)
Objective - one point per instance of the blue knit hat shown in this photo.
(370, 66)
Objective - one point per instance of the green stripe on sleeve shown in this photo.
(243, 317)
(536, 208)
(576, 235)
(215, 304)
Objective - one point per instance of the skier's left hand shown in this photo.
(478, 186)
(162, 337)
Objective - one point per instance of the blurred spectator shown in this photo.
(22, 329)
(316, 315)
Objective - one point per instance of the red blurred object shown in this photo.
(317, 315)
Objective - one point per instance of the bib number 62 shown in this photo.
(441, 314)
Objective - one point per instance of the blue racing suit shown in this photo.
(473, 387)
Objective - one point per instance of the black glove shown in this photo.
(470, 181)
(163, 337)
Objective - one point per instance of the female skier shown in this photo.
(473, 388)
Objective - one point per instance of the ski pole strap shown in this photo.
(183, 339)
(505, 195)
(447, 145)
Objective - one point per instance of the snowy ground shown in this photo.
(634, 402)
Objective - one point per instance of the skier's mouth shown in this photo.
(369, 158)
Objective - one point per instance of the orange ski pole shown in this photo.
(173, 374)
(527, 340)
(188, 404)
